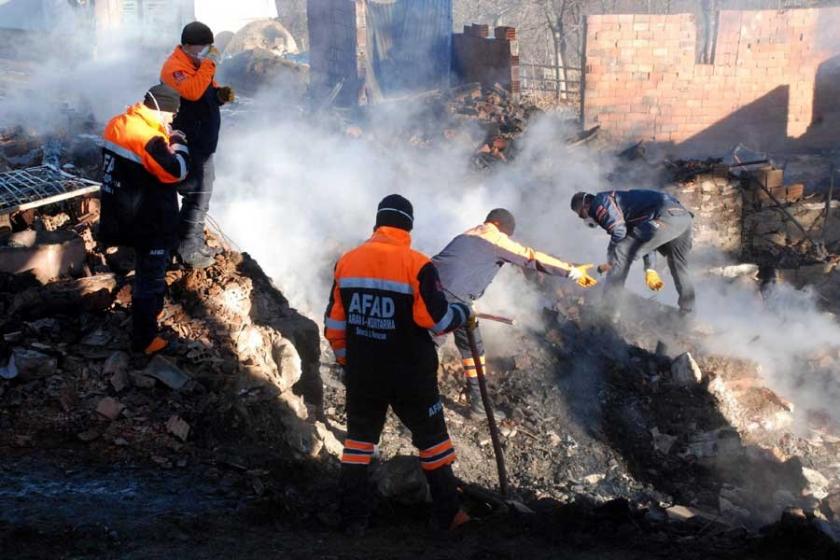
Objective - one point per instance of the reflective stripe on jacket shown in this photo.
(140, 166)
(198, 116)
(385, 299)
(470, 262)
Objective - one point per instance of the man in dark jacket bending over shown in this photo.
(641, 222)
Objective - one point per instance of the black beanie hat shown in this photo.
(395, 211)
(502, 218)
(196, 33)
(578, 200)
(162, 98)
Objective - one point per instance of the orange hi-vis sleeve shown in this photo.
(179, 73)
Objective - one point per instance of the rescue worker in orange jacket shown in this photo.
(385, 299)
(191, 70)
(470, 262)
(142, 164)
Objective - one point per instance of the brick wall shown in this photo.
(478, 58)
(642, 80)
(716, 202)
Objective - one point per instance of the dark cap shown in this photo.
(162, 98)
(395, 211)
(503, 219)
(578, 201)
(196, 33)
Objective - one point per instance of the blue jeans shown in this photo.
(195, 191)
(147, 297)
(670, 235)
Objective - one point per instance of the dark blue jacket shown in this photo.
(620, 213)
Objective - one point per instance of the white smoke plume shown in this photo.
(296, 192)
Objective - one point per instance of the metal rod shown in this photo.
(488, 407)
(785, 210)
(828, 201)
(496, 318)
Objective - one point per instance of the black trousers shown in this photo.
(147, 296)
(415, 400)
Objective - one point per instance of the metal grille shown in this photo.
(22, 189)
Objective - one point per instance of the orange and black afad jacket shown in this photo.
(199, 117)
(141, 166)
(385, 299)
(471, 261)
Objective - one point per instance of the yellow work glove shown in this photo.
(225, 94)
(653, 281)
(580, 275)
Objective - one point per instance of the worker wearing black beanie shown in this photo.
(196, 33)
(191, 71)
(395, 211)
(385, 304)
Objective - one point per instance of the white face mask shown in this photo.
(590, 222)
(203, 52)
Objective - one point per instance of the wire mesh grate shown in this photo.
(32, 187)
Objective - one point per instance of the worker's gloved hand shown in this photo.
(581, 275)
(225, 94)
(213, 54)
(472, 320)
(177, 137)
(604, 268)
(653, 281)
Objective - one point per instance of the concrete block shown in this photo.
(48, 255)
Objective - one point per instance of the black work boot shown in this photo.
(355, 500)
(477, 410)
(446, 509)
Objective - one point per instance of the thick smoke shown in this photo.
(296, 191)
(296, 195)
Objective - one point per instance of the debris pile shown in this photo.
(239, 352)
(596, 414)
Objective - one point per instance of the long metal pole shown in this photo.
(488, 407)
(828, 202)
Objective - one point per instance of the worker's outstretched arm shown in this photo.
(431, 310)
(335, 325)
(513, 252)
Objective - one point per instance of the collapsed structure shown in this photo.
(634, 426)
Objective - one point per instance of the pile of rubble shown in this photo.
(595, 414)
(227, 379)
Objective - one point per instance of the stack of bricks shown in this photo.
(767, 230)
(478, 58)
(642, 80)
(715, 201)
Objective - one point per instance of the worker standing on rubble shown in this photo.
(470, 262)
(191, 70)
(385, 299)
(641, 222)
(142, 164)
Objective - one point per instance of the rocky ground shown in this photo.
(619, 443)
(208, 450)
